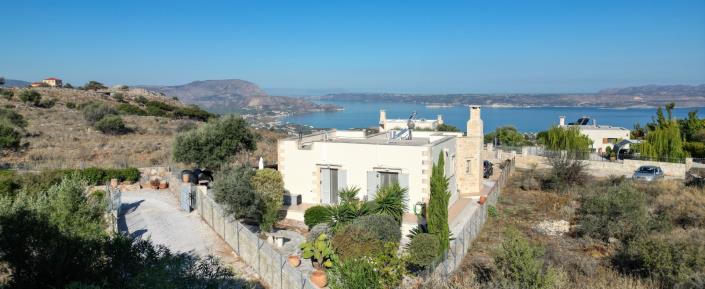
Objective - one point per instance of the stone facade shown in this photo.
(469, 156)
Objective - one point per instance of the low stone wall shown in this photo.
(271, 265)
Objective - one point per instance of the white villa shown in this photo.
(315, 167)
(602, 136)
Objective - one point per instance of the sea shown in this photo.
(525, 119)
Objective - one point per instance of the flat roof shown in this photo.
(425, 138)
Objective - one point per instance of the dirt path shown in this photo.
(154, 215)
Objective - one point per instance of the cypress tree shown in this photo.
(437, 215)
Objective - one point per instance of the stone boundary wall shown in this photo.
(271, 265)
(460, 245)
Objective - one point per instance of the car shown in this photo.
(486, 169)
(648, 174)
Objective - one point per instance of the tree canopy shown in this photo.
(565, 139)
(506, 136)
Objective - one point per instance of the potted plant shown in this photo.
(482, 200)
(294, 261)
(321, 254)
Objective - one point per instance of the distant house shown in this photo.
(602, 136)
(53, 82)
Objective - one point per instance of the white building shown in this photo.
(602, 136)
(386, 124)
(317, 166)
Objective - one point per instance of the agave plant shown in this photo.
(392, 201)
(319, 251)
(349, 195)
(340, 215)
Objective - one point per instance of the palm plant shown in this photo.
(349, 194)
(392, 201)
(340, 215)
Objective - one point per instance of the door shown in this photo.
(329, 186)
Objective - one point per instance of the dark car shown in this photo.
(648, 174)
(486, 169)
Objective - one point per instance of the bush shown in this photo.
(70, 105)
(565, 173)
(45, 103)
(684, 207)
(354, 273)
(316, 215)
(100, 176)
(232, 189)
(112, 124)
(671, 258)
(93, 85)
(129, 109)
(141, 99)
(391, 201)
(193, 112)
(9, 136)
(384, 227)
(95, 111)
(317, 230)
(618, 212)
(519, 265)
(423, 250)
(13, 117)
(269, 186)
(29, 95)
(6, 93)
(9, 185)
(215, 143)
(353, 242)
(118, 97)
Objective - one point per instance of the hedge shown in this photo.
(101, 176)
(316, 215)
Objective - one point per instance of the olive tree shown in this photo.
(215, 143)
(269, 187)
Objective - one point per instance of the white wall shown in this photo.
(596, 135)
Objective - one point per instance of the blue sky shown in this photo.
(375, 46)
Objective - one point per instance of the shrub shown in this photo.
(93, 85)
(6, 93)
(391, 268)
(354, 241)
(671, 258)
(9, 136)
(519, 265)
(232, 189)
(118, 97)
(437, 213)
(423, 250)
(318, 229)
(215, 143)
(618, 212)
(45, 103)
(193, 112)
(319, 251)
(185, 125)
(354, 273)
(391, 201)
(111, 124)
(269, 186)
(565, 173)
(30, 96)
(684, 207)
(9, 185)
(384, 227)
(129, 109)
(13, 117)
(70, 105)
(95, 111)
(316, 215)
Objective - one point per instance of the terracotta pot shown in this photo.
(294, 261)
(113, 183)
(482, 200)
(163, 184)
(186, 178)
(319, 278)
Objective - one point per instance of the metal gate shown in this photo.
(187, 199)
(114, 206)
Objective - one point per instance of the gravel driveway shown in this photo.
(154, 215)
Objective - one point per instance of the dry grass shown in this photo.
(59, 137)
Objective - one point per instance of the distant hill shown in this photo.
(15, 83)
(657, 90)
(234, 95)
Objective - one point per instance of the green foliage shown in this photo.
(129, 109)
(565, 139)
(10, 136)
(232, 189)
(447, 127)
(73, 211)
(13, 117)
(390, 267)
(354, 273)
(492, 211)
(112, 124)
(100, 176)
(9, 185)
(95, 111)
(214, 143)
(506, 136)
(193, 112)
(68, 85)
(565, 173)
(321, 228)
(663, 143)
(340, 215)
(348, 194)
(391, 201)
(316, 215)
(423, 250)
(70, 105)
(355, 241)
(519, 265)
(45, 103)
(384, 227)
(319, 251)
(669, 258)
(29, 96)
(93, 85)
(618, 212)
(695, 149)
(141, 99)
(118, 97)
(437, 213)
(6, 93)
(269, 187)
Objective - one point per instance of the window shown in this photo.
(467, 166)
(387, 179)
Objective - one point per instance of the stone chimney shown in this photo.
(475, 125)
(468, 161)
(382, 120)
(561, 120)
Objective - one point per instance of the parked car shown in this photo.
(486, 169)
(648, 174)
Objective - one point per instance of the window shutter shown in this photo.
(372, 184)
(404, 181)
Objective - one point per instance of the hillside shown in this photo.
(59, 136)
(643, 96)
(15, 83)
(235, 95)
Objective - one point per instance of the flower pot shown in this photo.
(113, 183)
(294, 261)
(482, 200)
(163, 184)
(319, 278)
